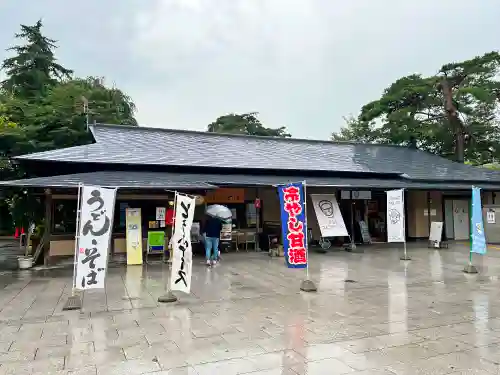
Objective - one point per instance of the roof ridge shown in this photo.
(245, 136)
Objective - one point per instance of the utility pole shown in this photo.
(86, 111)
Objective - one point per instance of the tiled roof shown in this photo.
(128, 179)
(164, 180)
(116, 144)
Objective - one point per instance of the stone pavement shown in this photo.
(9, 251)
(372, 314)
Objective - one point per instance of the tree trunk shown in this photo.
(454, 121)
(459, 144)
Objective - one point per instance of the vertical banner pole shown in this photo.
(469, 268)
(307, 285)
(307, 229)
(74, 302)
(77, 236)
(403, 222)
(470, 230)
(169, 297)
(403, 194)
(170, 252)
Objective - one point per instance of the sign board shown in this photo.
(257, 203)
(345, 194)
(133, 235)
(195, 232)
(182, 251)
(365, 233)
(161, 213)
(330, 221)
(491, 216)
(251, 214)
(156, 242)
(94, 234)
(226, 233)
(361, 194)
(395, 216)
(225, 195)
(436, 233)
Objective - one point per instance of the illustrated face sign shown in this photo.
(326, 208)
(394, 216)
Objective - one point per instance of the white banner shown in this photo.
(182, 252)
(395, 216)
(94, 234)
(330, 221)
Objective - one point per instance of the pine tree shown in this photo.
(33, 69)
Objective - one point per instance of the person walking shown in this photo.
(212, 231)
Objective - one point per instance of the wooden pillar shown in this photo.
(257, 220)
(48, 226)
(429, 205)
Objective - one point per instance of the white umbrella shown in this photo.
(219, 212)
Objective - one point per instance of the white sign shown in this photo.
(182, 252)
(226, 233)
(330, 221)
(490, 216)
(436, 233)
(94, 233)
(365, 232)
(395, 216)
(345, 194)
(362, 194)
(161, 213)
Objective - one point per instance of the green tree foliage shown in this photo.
(49, 106)
(43, 107)
(452, 114)
(59, 119)
(33, 68)
(246, 123)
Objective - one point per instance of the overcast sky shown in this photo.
(303, 64)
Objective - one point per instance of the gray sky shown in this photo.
(300, 63)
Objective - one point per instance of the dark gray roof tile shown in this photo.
(159, 180)
(132, 180)
(131, 145)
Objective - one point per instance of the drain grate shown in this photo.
(73, 303)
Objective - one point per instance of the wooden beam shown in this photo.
(45, 240)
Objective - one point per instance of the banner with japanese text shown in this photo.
(133, 236)
(478, 239)
(94, 234)
(293, 224)
(182, 252)
(395, 216)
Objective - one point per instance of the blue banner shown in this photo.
(478, 244)
(293, 224)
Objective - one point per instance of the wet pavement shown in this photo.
(372, 314)
(9, 252)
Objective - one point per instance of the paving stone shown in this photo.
(248, 316)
